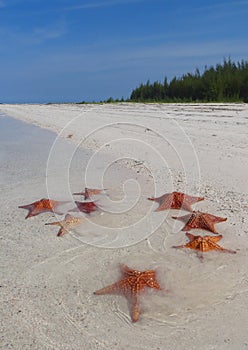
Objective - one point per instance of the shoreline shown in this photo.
(179, 131)
(49, 282)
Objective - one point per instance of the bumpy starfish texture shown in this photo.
(42, 206)
(66, 224)
(131, 284)
(88, 192)
(200, 220)
(85, 207)
(176, 200)
(204, 244)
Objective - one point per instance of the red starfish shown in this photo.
(85, 207)
(42, 206)
(88, 192)
(175, 200)
(200, 220)
(204, 244)
(131, 284)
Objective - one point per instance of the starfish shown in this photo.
(65, 225)
(132, 283)
(200, 220)
(175, 200)
(204, 244)
(42, 206)
(88, 192)
(85, 207)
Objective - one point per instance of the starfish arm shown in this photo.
(33, 212)
(184, 201)
(193, 199)
(68, 217)
(28, 206)
(179, 246)
(135, 309)
(187, 227)
(61, 232)
(115, 288)
(215, 238)
(166, 202)
(195, 245)
(84, 193)
(155, 199)
(214, 219)
(57, 223)
(29, 215)
(89, 192)
(126, 270)
(183, 218)
(209, 226)
(229, 251)
(190, 236)
(206, 222)
(211, 245)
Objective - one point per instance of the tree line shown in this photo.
(226, 82)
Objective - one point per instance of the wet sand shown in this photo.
(48, 282)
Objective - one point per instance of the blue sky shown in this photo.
(74, 50)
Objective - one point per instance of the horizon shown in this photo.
(90, 51)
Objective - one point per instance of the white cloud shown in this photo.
(43, 34)
(89, 61)
(224, 6)
(35, 36)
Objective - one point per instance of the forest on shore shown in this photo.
(226, 82)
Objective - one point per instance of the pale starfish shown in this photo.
(66, 224)
(175, 200)
(88, 192)
(132, 283)
(204, 244)
(85, 207)
(200, 220)
(42, 206)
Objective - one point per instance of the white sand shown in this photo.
(48, 281)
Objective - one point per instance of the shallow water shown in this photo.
(21, 144)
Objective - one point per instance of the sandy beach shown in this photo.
(134, 151)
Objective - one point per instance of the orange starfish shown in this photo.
(200, 220)
(131, 284)
(175, 200)
(204, 244)
(42, 206)
(65, 225)
(88, 192)
(85, 207)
